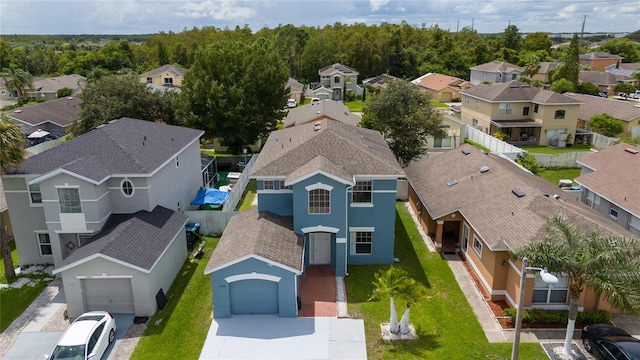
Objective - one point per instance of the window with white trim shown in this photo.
(44, 243)
(69, 199)
(267, 185)
(177, 161)
(443, 143)
(362, 192)
(281, 185)
(465, 236)
(613, 212)
(474, 123)
(477, 103)
(559, 114)
(35, 194)
(319, 201)
(168, 81)
(514, 76)
(544, 293)
(535, 108)
(466, 99)
(505, 108)
(477, 245)
(361, 242)
(126, 186)
(634, 224)
(592, 199)
(83, 239)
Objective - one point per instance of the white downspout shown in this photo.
(346, 226)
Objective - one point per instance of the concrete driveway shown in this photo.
(34, 343)
(273, 337)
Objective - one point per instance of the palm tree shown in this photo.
(11, 154)
(391, 282)
(413, 293)
(609, 265)
(17, 79)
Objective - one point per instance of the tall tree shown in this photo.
(622, 47)
(17, 80)
(570, 70)
(11, 154)
(607, 264)
(511, 38)
(406, 117)
(537, 41)
(235, 91)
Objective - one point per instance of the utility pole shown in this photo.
(472, 24)
(582, 31)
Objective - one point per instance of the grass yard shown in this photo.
(249, 195)
(555, 175)
(180, 329)
(355, 106)
(446, 324)
(552, 150)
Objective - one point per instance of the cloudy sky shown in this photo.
(152, 16)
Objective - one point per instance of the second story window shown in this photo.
(362, 192)
(281, 185)
(559, 115)
(525, 111)
(168, 81)
(319, 201)
(69, 200)
(477, 103)
(535, 108)
(149, 80)
(505, 108)
(35, 194)
(268, 184)
(336, 79)
(177, 161)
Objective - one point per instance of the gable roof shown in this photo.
(137, 240)
(515, 91)
(62, 112)
(599, 55)
(294, 85)
(594, 105)
(503, 220)
(437, 82)
(73, 81)
(630, 66)
(337, 67)
(546, 66)
(354, 150)
(327, 108)
(616, 175)
(164, 69)
(497, 66)
(603, 78)
(263, 234)
(120, 147)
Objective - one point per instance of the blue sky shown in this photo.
(152, 16)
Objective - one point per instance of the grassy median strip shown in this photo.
(446, 324)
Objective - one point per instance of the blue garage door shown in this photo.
(254, 297)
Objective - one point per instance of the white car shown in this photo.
(87, 337)
(315, 100)
(291, 103)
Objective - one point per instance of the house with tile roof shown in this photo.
(316, 111)
(105, 209)
(610, 183)
(494, 72)
(326, 196)
(591, 105)
(47, 88)
(484, 207)
(166, 75)
(605, 81)
(526, 114)
(55, 116)
(598, 60)
(442, 87)
(336, 81)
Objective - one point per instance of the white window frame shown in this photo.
(322, 187)
(592, 199)
(177, 161)
(541, 286)
(362, 187)
(124, 188)
(168, 81)
(33, 192)
(477, 246)
(79, 205)
(354, 232)
(634, 224)
(268, 185)
(613, 210)
(477, 103)
(466, 230)
(474, 123)
(80, 237)
(282, 186)
(535, 108)
(505, 108)
(467, 99)
(443, 143)
(559, 115)
(41, 244)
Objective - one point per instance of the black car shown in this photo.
(610, 342)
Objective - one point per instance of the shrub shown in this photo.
(500, 135)
(544, 316)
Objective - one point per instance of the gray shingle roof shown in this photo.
(594, 105)
(121, 147)
(337, 67)
(162, 69)
(547, 66)
(73, 82)
(354, 150)
(496, 66)
(616, 176)
(264, 234)
(516, 91)
(503, 220)
(599, 55)
(603, 78)
(62, 112)
(332, 109)
(138, 239)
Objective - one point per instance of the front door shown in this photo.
(337, 94)
(320, 245)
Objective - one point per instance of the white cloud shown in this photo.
(217, 10)
(377, 4)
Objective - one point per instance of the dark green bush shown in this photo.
(543, 316)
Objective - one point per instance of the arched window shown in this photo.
(127, 188)
(559, 115)
(319, 201)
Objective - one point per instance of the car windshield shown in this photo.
(75, 352)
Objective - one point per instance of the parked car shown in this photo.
(610, 342)
(87, 337)
(315, 100)
(603, 94)
(291, 103)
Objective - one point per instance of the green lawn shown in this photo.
(446, 325)
(552, 150)
(180, 329)
(555, 175)
(439, 104)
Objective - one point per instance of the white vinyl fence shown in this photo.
(238, 189)
(491, 143)
(37, 149)
(600, 141)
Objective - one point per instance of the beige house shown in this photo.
(441, 87)
(526, 114)
(605, 81)
(324, 109)
(47, 88)
(626, 111)
(485, 207)
(167, 75)
(546, 67)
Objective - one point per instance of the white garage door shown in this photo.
(113, 295)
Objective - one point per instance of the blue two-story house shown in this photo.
(326, 196)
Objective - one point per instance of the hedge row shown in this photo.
(558, 316)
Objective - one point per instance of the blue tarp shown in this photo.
(210, 197)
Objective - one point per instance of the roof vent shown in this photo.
(452, 182)
(631, 150)
(70, 98)
(18, 111)
(484, 169)
(519, 193)
(466, 152)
